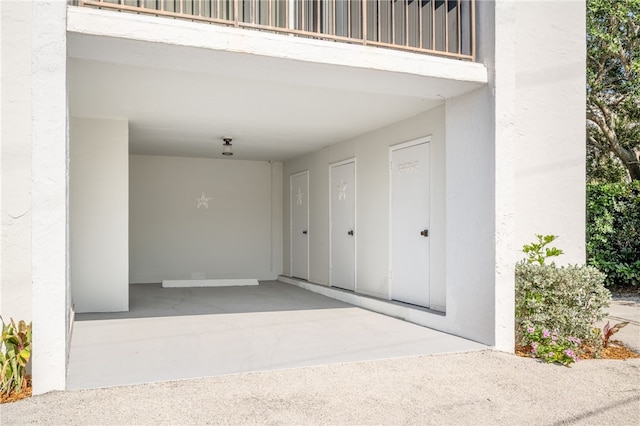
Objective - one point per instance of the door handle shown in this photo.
(424, 233)
(304, 232)
(350, 233)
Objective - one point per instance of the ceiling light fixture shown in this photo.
(226, 146)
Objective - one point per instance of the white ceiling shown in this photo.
(182, 101)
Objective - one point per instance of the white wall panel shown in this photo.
(372, 180)
(15, 160)
(550, 112)
(99, 214)
(236, 235)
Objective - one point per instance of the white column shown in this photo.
(49, 197)
(506, 254)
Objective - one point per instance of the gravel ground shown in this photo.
(474, 388)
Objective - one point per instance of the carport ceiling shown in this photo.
(179, 104)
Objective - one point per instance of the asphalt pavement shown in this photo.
(474, 388)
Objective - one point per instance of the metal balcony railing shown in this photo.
(437, 27)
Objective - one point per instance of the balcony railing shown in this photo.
(437, 27)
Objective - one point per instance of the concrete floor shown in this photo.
(183, 333)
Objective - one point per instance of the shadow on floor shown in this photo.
(152, 300)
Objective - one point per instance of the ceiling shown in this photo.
(182, 101)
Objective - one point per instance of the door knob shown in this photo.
(424, 233)
(304, 232)
(350, 233)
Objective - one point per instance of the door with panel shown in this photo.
(342, 225)
(299, 203)
(409, 269)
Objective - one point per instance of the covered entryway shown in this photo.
(193, 213)
(180, 333)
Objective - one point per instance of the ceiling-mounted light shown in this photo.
(226, 146)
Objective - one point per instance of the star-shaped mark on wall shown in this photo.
(203, 201)
(299, 196)
(342, 190)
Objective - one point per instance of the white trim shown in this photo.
(392, 148)
(355, 218)
(291, 176)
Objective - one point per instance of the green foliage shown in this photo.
(613, 89)
(604, 167)
(613, 232)
(551, 347)
(538, 252)
(15, 352)
(568, 300)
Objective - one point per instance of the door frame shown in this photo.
(355, 218)
(291, 177)
(392, 148)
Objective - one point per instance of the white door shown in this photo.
(342, 225)
(409, 273)
(299, 201)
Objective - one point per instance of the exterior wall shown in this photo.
(15, 160)
(480, 211)
(99, 214)
(470, 209)
(51, 302)
(237, 236)
(33, 179)
(515, 167)
(514, 164)
(372, 209)
(550, 110)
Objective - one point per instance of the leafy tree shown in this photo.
(613, 89)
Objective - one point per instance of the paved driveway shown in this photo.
(475, 388)
(178, 333)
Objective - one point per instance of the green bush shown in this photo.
(613, 231)
(568, 300)
(15, 352)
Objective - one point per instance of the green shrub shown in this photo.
(567, 300)
(15, 352)
(613, 231)
(539, 252)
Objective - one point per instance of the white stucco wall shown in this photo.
(99, 214)
(515, 158)
(372, 209)
(49, 197)
(514, 167)
(550, 113)
(237, 236)
(470, 198)
(15, 160)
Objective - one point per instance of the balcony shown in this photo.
(436, 27)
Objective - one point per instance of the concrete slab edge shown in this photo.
(209, 283)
